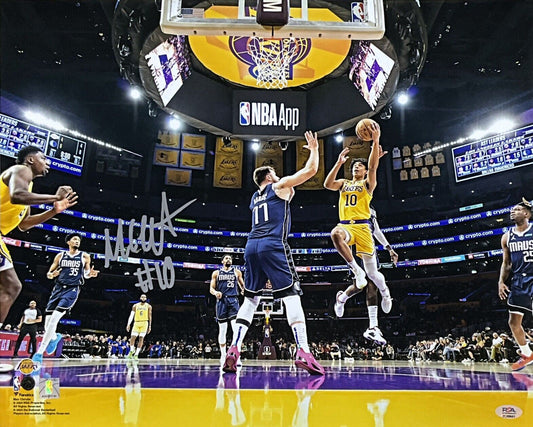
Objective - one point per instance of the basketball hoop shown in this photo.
(272, 58)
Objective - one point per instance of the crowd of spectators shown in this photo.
(482, 346)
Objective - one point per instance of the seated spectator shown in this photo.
(389, 352)
(155, 350)
(495, 349)
(335, 351)
(508, 349)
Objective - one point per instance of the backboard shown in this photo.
(361, 20)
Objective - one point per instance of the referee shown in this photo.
(28, 325)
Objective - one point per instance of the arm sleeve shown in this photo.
(378, 234)
(131, 317)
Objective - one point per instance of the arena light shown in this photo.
(135, 93)
(477, 134)
(44, 120)
(255, 146)
(41, 119)
(502, 125)
(339, 137)
(174, 123)
(403, 98)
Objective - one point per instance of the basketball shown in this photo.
(363, 129)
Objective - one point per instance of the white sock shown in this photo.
(246, 313)
(222, 331)
(223, 351)
(526, 351)
(296, 320)
(137, 351)
(50, 330)
(373, 315)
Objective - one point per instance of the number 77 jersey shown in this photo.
(271, 215)
(354, 201)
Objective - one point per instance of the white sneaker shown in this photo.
(339, 306)
(374, 334)
(386, 301)
(360, 278)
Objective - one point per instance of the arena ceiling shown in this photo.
(57, 55)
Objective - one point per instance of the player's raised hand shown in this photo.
(312, 140)
(63, 191)
(70, 200)
(93, 272)
(376, 131)
(343, 156)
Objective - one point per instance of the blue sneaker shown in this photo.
(37, 362)
(52, 345)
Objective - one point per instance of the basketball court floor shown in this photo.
(160, 392)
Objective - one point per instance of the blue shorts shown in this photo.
(227, 308)
(521, 295)
(270, 260)
(63, 298)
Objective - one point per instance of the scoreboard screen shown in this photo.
(65, 153)
(495, 154)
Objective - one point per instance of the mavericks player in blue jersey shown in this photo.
(70, 268)
(268, 256)
(224, 283)
(517, 245)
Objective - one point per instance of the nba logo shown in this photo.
(358, 11)
(244, 113)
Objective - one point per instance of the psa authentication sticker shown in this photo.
(508, 411)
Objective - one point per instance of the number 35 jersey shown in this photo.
(271, 216)
(71, 266)
(521, 248)
(354, 200)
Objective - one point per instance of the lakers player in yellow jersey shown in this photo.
(16, 197)
(141, 315)
(354, 227)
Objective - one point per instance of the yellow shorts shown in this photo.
(140, 328)
(5, 257)
(359, 235)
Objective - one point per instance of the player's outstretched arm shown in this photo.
(331, 183)
(53, 271)
(310, 168)
(30, 221)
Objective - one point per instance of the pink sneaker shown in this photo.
(232, 357)
(522, 362)
(307, 361)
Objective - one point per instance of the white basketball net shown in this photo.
(272, 58)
